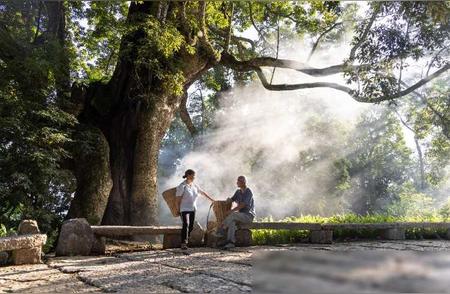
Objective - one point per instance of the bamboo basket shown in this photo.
(171, 200)
(220, 208)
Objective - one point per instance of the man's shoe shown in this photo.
(229, 245)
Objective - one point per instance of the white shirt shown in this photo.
(189, 194)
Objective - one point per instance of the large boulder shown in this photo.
(76, 238)
(196, 236)
(28, 226)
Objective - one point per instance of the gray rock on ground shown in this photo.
(76, 238)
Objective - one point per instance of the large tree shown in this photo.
(144, 56)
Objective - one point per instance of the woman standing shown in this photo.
(187, 193)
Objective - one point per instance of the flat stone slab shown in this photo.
(349, 267)
(39, 278)
(22, 242)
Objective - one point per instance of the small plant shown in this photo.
(4, 231)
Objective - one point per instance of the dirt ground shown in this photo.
(340, 267)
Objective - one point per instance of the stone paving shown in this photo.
(318, 268)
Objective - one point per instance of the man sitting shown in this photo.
(243, 213)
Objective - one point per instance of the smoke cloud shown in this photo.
(266, 134)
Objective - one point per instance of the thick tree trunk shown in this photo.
(133, 111)
(134, 139)
(153, 124)
(121, 135)
(92, 172)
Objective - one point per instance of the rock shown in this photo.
(4, 258)
(76, 238)
(243, 238)
(98, 246)
(28, 226)
(171, 241)
(197, 235)
(210, 240)
(27, 256)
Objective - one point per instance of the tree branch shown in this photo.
(257, 62)
(252, 20)
(316, 44)
(185, 117)
(230, 28)
(236, 39)
(351, 92)
(290, 87)
(442, 117)
(434, 58)
(278, 49)
(364, 35)
(419, 83)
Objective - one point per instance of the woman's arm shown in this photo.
(206, 195)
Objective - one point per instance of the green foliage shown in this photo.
(411, 203)
(34, 130)
(380, 160)
(4, 231)
(407, 30)
(94, 47)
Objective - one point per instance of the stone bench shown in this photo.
(78, 237)
(27, 246)
(171, 234)
(323, 233)
(389, 231)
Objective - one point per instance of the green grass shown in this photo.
(270, 237)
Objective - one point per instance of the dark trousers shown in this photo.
(184, 230)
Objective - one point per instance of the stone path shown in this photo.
(352, 266)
